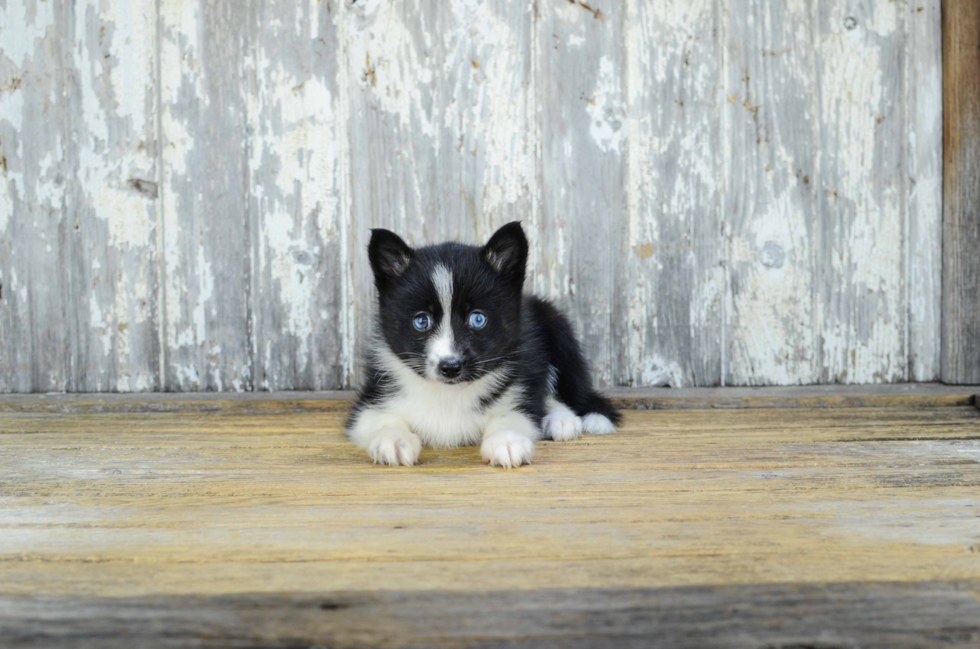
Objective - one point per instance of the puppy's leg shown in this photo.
(508, 440)
(560, 424)
(387, 438)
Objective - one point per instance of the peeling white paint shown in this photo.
(22, 23)
(660, 372)
(12, 106)
(384, 49)
(179, 54)
(494, 99)
(676, 279)
(860, 349)
(857, 309)
(6, 205)
(205, 287)
(605, 108)
(770, 316)
(295, 155)
(923, 247)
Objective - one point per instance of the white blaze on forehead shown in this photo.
(442, 279)
(442, 345)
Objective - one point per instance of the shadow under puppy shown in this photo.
(461, 356)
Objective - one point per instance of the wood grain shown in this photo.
(580, 78)
(719, 192)
(36, 231)
(113, 312)
(128, 504)
(961, 192)
(206, 230)
(673, 274)
(297, 198)
(924, 233)
(886, 615)
(256, 524)
(772, 125)
(857, 185)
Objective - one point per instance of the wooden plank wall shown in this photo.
(961, 192)
(721, 192)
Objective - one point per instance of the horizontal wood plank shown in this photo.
(892, 615)
(253, 522)
(126, 504)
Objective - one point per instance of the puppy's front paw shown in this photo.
(507, 449)
(562, 425)
(393, 446)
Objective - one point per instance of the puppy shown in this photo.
(461, 356)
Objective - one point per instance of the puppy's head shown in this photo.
(450, 312)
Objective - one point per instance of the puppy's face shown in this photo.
(450, 312)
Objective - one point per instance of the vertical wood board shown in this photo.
(674, 273)
(35, 230)
(206, 229)
(576, 237)
(961, 193)
(113, 266)
(296, 194)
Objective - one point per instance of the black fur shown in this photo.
(526, 338)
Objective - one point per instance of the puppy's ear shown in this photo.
(389, 256)
(506, 252)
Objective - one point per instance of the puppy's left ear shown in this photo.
(506, 252)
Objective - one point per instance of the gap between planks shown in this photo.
(908, 395)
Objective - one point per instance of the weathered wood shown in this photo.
(772, 124)
(440, 137)
(206, 234)
(578, 234)
(905, 395)
(297, 197)
(673, 273)
(36, 234)
(208, 503)
(924, 234)
(961, 192)
(732, 192)
(858, 185)
(112, 154)
(811, 297)
(886, 615)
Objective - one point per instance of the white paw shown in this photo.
(393, 446)
(597, 424)
(562, 425)
(507, 449)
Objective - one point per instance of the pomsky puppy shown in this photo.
(461, 356)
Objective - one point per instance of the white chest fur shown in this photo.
(444, 416)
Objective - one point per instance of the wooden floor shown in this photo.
(254, 523)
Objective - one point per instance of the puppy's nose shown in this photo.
(450, 368)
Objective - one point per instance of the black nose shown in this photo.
(450, 368)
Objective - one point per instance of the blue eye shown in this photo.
(478, 320)
(422, 322)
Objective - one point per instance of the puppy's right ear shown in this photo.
(389, 256)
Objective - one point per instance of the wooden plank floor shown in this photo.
(735, 527)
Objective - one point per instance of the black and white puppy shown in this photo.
(461, 356)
